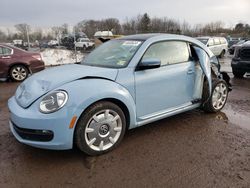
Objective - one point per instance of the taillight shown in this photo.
(38, 57)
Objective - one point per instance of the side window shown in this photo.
(5, 51)
(169, 52)
(1, 51)
(216, 41)
(210, 42)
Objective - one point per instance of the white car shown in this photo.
(218, 45)
(53, 43)
(84, 43)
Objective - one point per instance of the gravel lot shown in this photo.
(193, 149)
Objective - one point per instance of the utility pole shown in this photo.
(74, 30)
(28, 38)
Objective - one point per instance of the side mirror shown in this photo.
(149, 63)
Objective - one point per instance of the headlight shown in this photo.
(53, 101)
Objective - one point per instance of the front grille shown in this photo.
(33, 134)
(245, 53)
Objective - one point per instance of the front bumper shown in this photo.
(47, 131)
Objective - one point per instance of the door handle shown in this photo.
(190, 71)
(6, 57)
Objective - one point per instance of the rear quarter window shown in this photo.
(223, 41)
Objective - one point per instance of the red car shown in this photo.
(17, 64)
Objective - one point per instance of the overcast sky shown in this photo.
(46, 13)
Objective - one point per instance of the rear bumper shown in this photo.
(37, 66)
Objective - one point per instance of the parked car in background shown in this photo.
(84, 44)
(241, 60)
(123, 84)
(69, 40)
(218, 45)
(17, 64)
(233, 40)
(232, 48)
(53, 43)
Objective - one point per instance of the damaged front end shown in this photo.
(217, 73)
(210, 66)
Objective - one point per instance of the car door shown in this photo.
(5, 56)
(168, 87)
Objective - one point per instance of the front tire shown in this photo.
(100, 128)
(218, 98)
(18, 73)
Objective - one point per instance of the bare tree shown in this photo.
(36, 35)
(22, 30)
(110, 24)
(3, 36)
(55, 31)
(129, 27)
(89, 27)
(185, 28)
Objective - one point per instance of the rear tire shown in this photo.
(218, 98)
(100, 128)
(222, 54)
(18, 73)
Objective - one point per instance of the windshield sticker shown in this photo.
(131, 43)
(121, 62)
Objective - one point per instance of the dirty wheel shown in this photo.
(222, 54)
(100, 129)
(218, 98)
(19, 73)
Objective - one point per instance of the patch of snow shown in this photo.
(53, 57)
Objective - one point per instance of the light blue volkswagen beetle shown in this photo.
(123, 84)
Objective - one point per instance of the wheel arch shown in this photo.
(117, 102)
(19, 63)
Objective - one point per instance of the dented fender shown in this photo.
(204, 61)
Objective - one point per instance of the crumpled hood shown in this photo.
(40, 83)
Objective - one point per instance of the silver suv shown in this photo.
(218, 45)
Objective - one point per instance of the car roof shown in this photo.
(204, 37)
(156, 37)
(141, 37)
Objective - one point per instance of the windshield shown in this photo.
(204, 41)
(113, 54)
